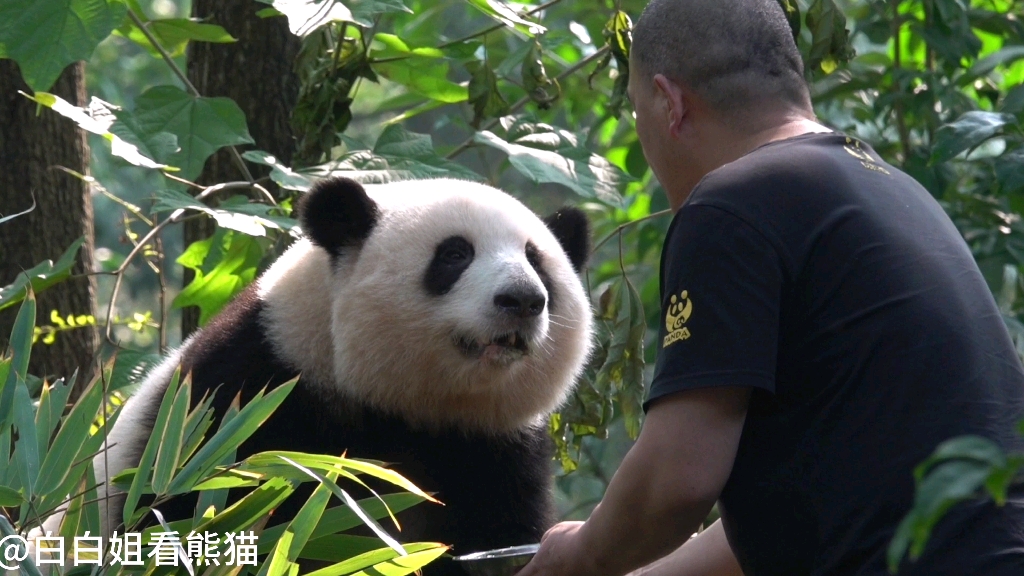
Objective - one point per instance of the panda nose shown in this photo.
(520, 303)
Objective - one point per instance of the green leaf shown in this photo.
(967, 132)
(397, 155)
(202, 125)
(423, 71)
(242, 515)
(44, 37)
(542, 89)
(229, 437)
(67, 445)
(986, 65)
(236, 257)
(504, 13)
(484, 95)
(947, 484)
(26, 452)
(170, 441)
(10, 498)
(282, 175)
(118, 147)
(351, 503)
(250, 219)
(1013, 102)
(19, 350)
(341, 518)
(583, 172)
(149, 453)
(386, 561)
(830, 40)
(174, 34)
(301, 527)
(306, 16)
(41, 276)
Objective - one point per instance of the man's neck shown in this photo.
(727, 146)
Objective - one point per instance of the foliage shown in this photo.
(46, 454)
(529, 98)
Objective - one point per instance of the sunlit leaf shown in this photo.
(118, 147)
(583, 172)
(174, 34)
(504, 13)
(41, 276)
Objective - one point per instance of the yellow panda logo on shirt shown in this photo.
(679, 310)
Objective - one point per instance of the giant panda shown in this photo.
(435, 324)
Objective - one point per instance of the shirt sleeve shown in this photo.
(721, 285)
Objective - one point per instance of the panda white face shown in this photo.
(454, 304)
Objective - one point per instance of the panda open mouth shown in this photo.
(510, 346)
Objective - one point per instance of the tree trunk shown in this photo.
(257, 73)
(31, 147)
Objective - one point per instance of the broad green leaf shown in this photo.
(583, 172)
(1013, 102)
(967, 132)
(41, 276)
(149, 454)
(44, 37)
(986, 65)
(386, 561)
(830, 40)
(67, 445)
(159, 146)
(484, 95)
(421, 70)
(10, 498)
(229, 437)
(174, 34)
(542, 89)
(235, 268)
(201, 125)
(250, 222)
(305, 16)
(976, 448)
(118, 147)
(282, 175)
(397, 155)
(504, 13)
(1010, 170)
(947, 484)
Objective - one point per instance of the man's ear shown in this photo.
(674, 102)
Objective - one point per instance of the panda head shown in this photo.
(451, 303)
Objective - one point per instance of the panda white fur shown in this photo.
(436, 324)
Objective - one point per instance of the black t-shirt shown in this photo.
(837, 288)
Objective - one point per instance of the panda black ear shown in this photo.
(336, 214)
(571, 227)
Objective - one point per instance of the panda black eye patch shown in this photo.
(451, 258)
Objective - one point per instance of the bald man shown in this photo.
(825, 328)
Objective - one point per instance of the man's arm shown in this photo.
(663, 490)
(707, 554)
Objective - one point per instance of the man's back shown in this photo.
(838, 288)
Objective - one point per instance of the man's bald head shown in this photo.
(735, 54)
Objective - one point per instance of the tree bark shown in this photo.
(31, 146)
(257, 73)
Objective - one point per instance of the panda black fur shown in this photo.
(398, 310)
